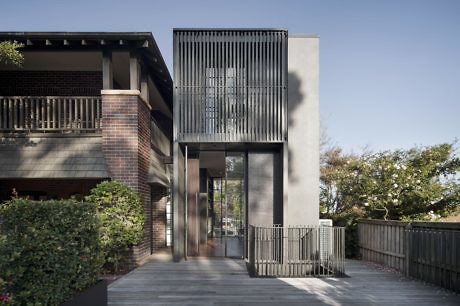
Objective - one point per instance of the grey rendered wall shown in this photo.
(303, 131)
(264, 188)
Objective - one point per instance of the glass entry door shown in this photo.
(226, 217)
(234, 220)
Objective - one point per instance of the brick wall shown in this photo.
(143, 157)
(159, 198)
(50, 83)
(126, 147)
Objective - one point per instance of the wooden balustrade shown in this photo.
(50, 114)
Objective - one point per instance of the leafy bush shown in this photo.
(5, 297)
(50, 250)
(122, 220)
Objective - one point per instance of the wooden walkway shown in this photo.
(203, 281)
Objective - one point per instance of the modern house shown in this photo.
(246, 136)
(232, 142)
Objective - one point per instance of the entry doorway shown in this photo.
(227, 210)
(222, 218)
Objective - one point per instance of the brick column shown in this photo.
(126, 147)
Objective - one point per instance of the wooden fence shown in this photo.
(296, 251)
(429, 251)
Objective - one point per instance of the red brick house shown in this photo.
(83, 108)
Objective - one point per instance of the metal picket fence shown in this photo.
(298, 251)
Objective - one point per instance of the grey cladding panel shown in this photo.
(264, 189)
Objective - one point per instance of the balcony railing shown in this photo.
(50, 114)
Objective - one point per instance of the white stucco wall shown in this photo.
(303, 131)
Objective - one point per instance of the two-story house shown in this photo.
(86, 107)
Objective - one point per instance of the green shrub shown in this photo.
(122, 220)
(5, 298)
(50, 250)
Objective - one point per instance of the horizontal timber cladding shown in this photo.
(230, 85)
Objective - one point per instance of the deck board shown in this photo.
(204, 281)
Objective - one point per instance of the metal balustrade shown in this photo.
(50, 114)
(296, 251)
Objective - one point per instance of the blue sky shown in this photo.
(390, 70)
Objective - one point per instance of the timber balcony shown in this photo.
(58, 114)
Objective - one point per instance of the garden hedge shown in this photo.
(49, 251)
(122, 218)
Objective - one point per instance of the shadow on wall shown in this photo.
(30, 164)
(295, 98)
(263, 193)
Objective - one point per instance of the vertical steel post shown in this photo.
(186, 204)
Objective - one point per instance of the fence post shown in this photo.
(407, 248)
(251, 251)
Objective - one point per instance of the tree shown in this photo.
(413, 184)
(10, 54)
(399, 185)
(416, 184)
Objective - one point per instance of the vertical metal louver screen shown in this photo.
(230, 86)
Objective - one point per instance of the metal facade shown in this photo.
(230, 85)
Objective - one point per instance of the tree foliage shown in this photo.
(10, 54)
(399, 185)
(416, 184)
(122, 218)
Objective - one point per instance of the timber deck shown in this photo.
(204, 281)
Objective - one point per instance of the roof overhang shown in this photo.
(142, 42)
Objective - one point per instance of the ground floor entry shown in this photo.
(224, 192)
(216, 204)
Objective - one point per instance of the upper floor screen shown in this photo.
(230, 85)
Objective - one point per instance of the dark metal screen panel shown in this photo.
(230, 85)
